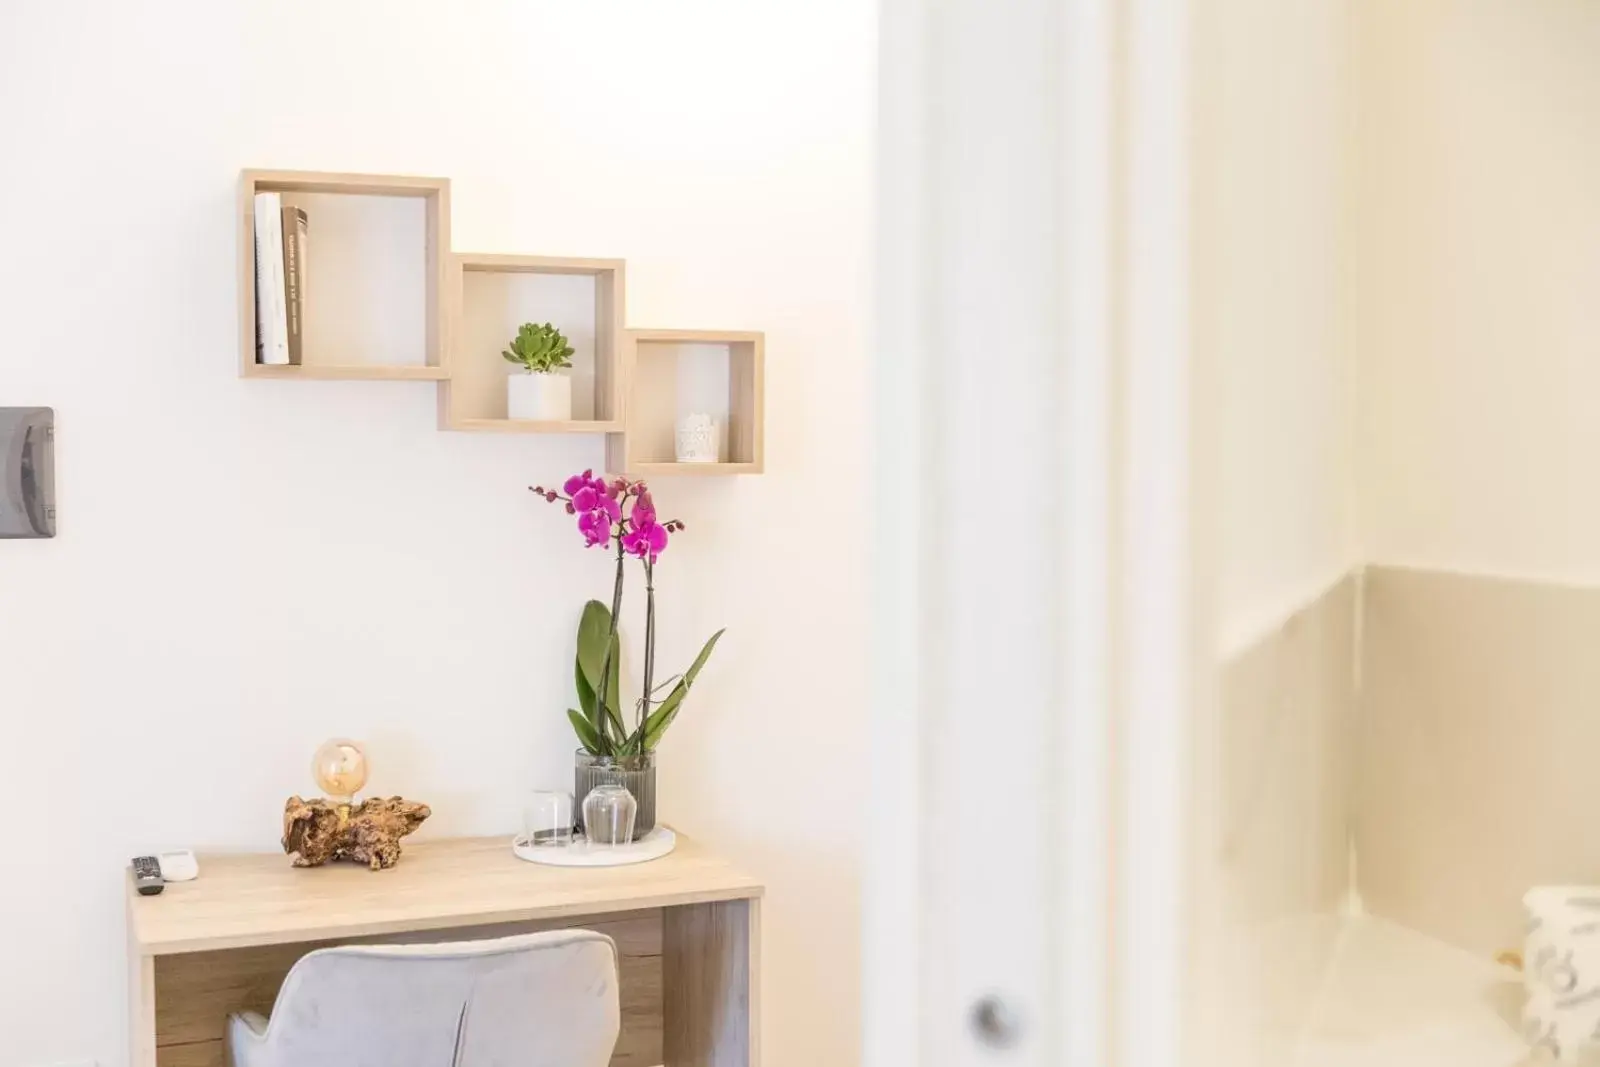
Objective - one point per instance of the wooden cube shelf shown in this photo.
(490, 296)
(374, 299)
(674, 373)
(386, 300)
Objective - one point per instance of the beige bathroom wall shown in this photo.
(1478, 312)
(1268, 211)
(1479, 729)
(1396, 292)
(1287, 718)
(1270, 237)
(1479, 283)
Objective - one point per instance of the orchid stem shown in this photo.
(649, 645)
(602, 727)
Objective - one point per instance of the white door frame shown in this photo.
(1033, 666)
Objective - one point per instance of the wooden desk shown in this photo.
(687, 927)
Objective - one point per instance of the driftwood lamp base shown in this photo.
(318, 830)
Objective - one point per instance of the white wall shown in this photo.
(1480, 208)
(1269, 243)
(245, 568)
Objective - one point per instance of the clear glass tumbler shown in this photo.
(608, 814)
(547, 820)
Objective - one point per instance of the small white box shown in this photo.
(178, 866)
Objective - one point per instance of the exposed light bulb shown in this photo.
(340, 769)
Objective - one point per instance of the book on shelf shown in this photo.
(294, 278)
(280, 280)
(272, 332)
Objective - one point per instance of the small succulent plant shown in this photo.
(540, 349)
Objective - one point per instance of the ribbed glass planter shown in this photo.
(636, 774)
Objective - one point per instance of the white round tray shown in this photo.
(652, 846)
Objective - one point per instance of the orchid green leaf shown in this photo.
(656, 725)
(594, 631)
(585, 691)
(585, 730)
(614, 678)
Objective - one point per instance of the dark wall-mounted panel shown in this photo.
(27, 472)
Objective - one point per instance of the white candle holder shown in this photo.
(697, 440)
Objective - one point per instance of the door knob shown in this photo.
(995, 1022)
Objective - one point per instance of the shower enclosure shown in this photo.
(1397, 308)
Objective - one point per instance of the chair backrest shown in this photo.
(533, 1000)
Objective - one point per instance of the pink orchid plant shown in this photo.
(622, 514)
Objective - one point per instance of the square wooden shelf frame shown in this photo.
(746, 406)
(610, 290)
(436, 194)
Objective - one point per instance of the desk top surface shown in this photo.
(258, 899)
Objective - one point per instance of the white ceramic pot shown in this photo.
(541, 397)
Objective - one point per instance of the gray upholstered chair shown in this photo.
(534, 1000)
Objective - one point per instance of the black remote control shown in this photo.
(147, 876)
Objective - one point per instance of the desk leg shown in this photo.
(710, 971)
(141, 1010)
